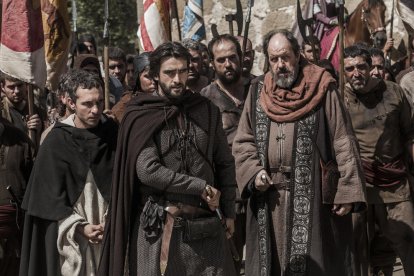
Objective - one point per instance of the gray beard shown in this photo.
(283, 82)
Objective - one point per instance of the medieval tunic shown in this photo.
(297, 232)
(230, 114)
(157, 164)
(15, 165)
(69, 186)
(384, 125)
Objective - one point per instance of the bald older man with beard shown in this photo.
(293, 138)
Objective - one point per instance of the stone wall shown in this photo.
(268, 15)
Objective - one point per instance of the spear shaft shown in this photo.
(105, 54)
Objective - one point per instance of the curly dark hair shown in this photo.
(75, 79)
(358, 50)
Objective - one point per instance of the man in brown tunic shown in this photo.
(293, 121)
(228, 92)
(16, 109)
(384, 125)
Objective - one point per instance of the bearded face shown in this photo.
(226, 62)
(173, 77)
(284, 77)
(283, 61)
(356, 72)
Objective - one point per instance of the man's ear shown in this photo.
(71, 103)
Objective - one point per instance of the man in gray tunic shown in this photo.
(173, 173)
(293, 138)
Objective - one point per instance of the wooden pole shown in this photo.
(30, 104)
(341, 47)
(174, 15)
(107, 80)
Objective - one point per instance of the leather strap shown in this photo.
(166, 237)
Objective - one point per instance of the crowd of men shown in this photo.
(201, 168)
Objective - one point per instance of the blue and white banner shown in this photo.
(193, 25)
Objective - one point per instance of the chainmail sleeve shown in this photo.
(151, 172)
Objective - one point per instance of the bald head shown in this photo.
(283, 57)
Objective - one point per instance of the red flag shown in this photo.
(155, 24)
(22, 54)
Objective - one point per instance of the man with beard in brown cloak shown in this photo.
(293, 138)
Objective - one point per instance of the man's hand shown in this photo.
(212, 196)
(388, 45)
(342, 209)
(230, 227)
(333, 22)
(92, 232)
(34, 123)
(262, 181)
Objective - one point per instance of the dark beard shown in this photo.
(167, 93)
(225, 80)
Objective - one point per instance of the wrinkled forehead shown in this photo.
(350, 61)
(279, 45)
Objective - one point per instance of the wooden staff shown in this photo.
(409, 51)
(30, 104)
(341, 47)
(174, 15)
(388, 57)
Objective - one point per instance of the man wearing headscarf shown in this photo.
(143, 84)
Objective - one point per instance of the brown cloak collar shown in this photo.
(288, 105)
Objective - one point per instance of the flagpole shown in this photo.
(246, 28)
(105, 55)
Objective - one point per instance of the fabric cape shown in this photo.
(57, 180)
(145, 115)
